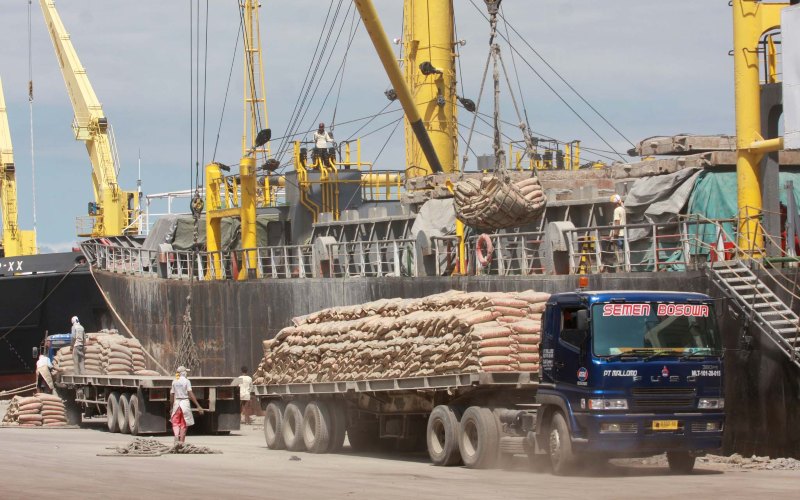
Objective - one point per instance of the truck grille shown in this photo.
(663, 398)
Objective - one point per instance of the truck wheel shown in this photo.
(562, 459)
(317, 427)
(442, 436)
(680, 462)
(339, 425)
(480, 438)
(112, 412)
(273, 420)
(133, 414)
(122, 415)
(292, 426)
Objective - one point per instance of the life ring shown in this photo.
(484, 249)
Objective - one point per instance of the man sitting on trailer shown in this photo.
(321, 140)
(245, 387)
(180, 394)
(78, 343)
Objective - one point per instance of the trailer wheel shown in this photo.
(317, 427)
(122, 414)
(133, 414)
(680, 462)
(273, 420)
(338, 412)
(112, 412)
(442, 436)
(562, 458)
(292, 426)
(480, 438)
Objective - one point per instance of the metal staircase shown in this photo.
(762, 307)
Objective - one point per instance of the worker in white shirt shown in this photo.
(321, 140)
(618, 235)
(180, 394)
(44, 376)
(78, 345)
(245, 388)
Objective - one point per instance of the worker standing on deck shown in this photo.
(180, 394)
(245, 387)
(321, 140)
(44, 376)
(618, 235)
(78, 343)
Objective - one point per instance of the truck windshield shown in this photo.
(651, 327)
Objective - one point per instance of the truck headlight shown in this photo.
(711, 403)
(608, 404)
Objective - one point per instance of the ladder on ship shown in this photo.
(761, 306)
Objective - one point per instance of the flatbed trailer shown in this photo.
(135, 404)
(404, 414)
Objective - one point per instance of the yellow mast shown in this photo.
(255, 102)
(751, 20)
(15, 240)
(429, 40)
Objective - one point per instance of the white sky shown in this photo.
(650, 66)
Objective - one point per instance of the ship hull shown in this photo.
(64, 287)
(231, 319)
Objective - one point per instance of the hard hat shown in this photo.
(182, 369)
(74, 319)
(616, 198)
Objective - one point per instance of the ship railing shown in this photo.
(122, 260)
(368, 259)
(277, 262)
(445, 251)
(509, 254)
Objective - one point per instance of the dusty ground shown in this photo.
(45, 462)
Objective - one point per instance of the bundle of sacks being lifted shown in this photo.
(106, 353)
(495, 202)
(451, 332)
(36, 411)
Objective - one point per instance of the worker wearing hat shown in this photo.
(618, 235)
(78, 345)
(181, 415)
(321, 140)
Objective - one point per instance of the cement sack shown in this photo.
(31, 406)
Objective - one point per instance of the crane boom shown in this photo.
(15, 241)
(115, 211)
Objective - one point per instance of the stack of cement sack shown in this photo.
(36, 411)
(451, 332)
(106, 353)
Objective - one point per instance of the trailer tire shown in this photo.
(680, 462)
(442, 436)
(122, 415)
(480, 438)
(112, 412)
(292, 426)
(559, 446)
(338, 412)
(134, 413)
(317, 427)
(273, 421)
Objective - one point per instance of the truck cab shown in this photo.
(627, 374)
(52, 343)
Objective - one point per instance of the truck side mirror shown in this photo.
(582, 320)
(35, 353)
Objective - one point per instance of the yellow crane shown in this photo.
(15, 241)
(114, 212)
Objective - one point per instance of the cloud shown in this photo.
(649, 66)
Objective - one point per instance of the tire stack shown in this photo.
(41, 410)
(451, 332)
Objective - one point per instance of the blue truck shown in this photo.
(623, 374)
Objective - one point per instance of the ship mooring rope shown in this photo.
(148, 447)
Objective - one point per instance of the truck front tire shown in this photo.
(442, 436)
(559, 446)
(273, 423)
(292, 426)
(480, 438)
(317, 426)
(112, 412)
(680, 462)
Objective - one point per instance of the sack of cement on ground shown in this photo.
(106, 353)
(446, 333)
(36, 411)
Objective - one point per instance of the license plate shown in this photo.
(665, 425)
